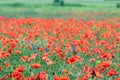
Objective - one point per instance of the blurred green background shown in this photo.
(71, 8)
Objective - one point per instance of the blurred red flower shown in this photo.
(106, 64)
(42, 76)
(20, 69)
(57, 78)
(17, 75)
(112, 72)
(65, 78)
(36, 65)
(0, 68)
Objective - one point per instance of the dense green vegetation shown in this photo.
(47, 9)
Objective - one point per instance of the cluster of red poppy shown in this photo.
(31, 48)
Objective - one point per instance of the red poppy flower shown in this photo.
(0, 68)
(25, 58)
(20, 68)
(17, 75)
(18, 52)
(65, 78)
(42, 76)
(45, 58)
(119, 66)
(86, 68)
(57, 78)
(36, 65)
(72, 60)
(33, 56)
(13, 45)
(92, 59)
(9, 51)
(117, 78)
(84, 78)
(105, 55)
(105, 64)
(112, 72)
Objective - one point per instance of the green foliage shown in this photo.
(62, 3)
(13, 5)
(69, 5)
(56, 1)
(118, 5)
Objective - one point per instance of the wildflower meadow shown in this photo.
(59, 39)
(58, 49)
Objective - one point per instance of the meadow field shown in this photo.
(46, 9)
(41, 40)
